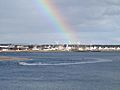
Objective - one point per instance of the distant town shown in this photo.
(57, 48)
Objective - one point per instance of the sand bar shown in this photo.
(7, 58)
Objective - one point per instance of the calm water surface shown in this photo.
(61, 71)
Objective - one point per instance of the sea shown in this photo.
(61, 71)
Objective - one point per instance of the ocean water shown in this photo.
(61, 71)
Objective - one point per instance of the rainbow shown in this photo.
(52, 13)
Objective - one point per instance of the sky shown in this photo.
(93, 22)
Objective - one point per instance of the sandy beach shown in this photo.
(6, 58)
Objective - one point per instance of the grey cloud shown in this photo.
(112, 11)
(33, 38)
(20, 18)
(93, 15)
(113, 2)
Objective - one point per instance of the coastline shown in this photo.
(14, 51)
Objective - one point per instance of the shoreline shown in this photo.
(13, 51)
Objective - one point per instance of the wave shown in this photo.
(60, 64)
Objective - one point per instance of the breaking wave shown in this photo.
(60, 64)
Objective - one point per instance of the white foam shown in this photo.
(97, 60)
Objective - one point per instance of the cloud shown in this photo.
(112, 11)
(112, 2)
(91, 20)
(33, 38)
